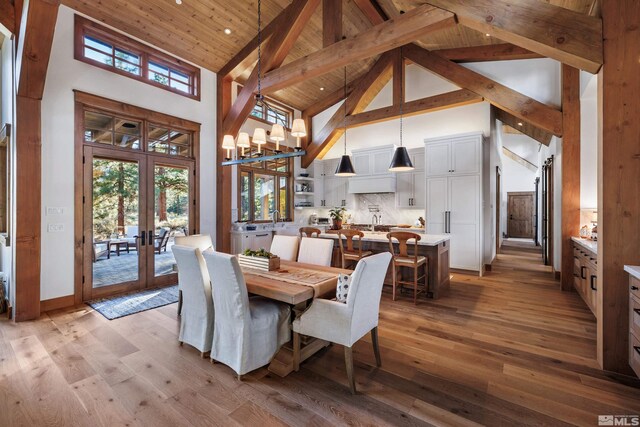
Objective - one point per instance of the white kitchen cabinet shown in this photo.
(372, 161)
(454, 198)
(410, 192)
(250, 240)
(330, 191)
(454, 156)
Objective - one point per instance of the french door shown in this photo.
(134, 205)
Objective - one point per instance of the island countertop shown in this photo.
(381, 236)
(633, 270)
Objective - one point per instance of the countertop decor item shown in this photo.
(337, 215)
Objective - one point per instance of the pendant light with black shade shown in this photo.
(345, 167)
(401, 162)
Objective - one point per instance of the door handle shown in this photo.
(142, 238)
(151, 239)
(510, 216)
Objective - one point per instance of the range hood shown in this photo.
(372, 184)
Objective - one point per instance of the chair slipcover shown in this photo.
(196, 324)
(286, 247)
(248, 331)
(200, 241)
(316, 251)
(346, 323)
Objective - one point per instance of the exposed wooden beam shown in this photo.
(368, 87)
(618, 179)
(223, 173)
(248, 55)
(492, 52)
(372, 10)
(430, 104)
(8, 15)
(523, 126)
(520, 160)
(275, 51)
(383, 37)
(509, 100)
(34, 49)
(331, 22)
(398, 77)
(570, 224)
(565, 35)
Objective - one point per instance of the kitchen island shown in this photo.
(433, 246)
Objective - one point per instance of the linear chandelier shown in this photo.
(277, 133)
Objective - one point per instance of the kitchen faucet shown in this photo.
(375, 219)
(275, 214)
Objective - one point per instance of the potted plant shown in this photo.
(337, 215)
(260, 259)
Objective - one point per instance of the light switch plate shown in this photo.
(55, 228)
(54, 211)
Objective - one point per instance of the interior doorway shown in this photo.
(137, 193)
(520, 215)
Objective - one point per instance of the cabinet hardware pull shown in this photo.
(637, 310)
(634, 288)
(262, 235)
(582, 270)
(593, 288)
(637, 349)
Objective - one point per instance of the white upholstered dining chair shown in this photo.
(345, 324)
(248, 332)
(200, 241)
(286, 247)
(316, 251)
(196, 323)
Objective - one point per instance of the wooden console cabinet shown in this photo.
(585, 275)
(634, 318)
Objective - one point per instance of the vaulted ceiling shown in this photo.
(194, 31)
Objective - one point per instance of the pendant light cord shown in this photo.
(402, 89)
(259, 96)
(345, 111)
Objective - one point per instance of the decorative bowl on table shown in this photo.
(260, 260)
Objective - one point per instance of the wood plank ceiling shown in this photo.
(195, 32)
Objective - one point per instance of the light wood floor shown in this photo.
(506, 349)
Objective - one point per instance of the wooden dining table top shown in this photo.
(287, 292)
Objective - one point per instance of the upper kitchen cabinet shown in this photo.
(330, 190)
(372, 161)
(410, 192)
(453, 156)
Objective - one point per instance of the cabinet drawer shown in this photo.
(634, 286)
(634, 315)
(634, 354)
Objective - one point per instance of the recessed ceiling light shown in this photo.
(227, 31)
(322, 88)
(488, 35)
(178, 1)
(519, 123)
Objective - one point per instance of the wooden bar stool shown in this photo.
(309, 231)
(403, 259)
(351, 254)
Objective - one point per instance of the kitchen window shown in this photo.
(104, 48)
(264, 187)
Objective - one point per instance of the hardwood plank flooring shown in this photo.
(506, 349)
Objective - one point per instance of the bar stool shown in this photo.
(350, 253)
(404, 259)
(309, 231)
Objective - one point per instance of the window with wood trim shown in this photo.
(264, 187)
(276, 113)
(104, 48)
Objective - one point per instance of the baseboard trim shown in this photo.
(57, 303)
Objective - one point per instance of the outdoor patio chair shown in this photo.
(100, 248)
(161, 240)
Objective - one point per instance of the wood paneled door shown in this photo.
(520, 214)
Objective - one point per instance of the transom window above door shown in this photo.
(106, 129)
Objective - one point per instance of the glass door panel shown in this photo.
(114, 206)
(172, 215)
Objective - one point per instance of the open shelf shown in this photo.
(304, 193)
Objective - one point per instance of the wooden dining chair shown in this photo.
(350, 253)
(309, 231)
(402, 258)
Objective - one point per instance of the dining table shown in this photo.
(296, 284)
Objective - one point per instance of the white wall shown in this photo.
(66, 74)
